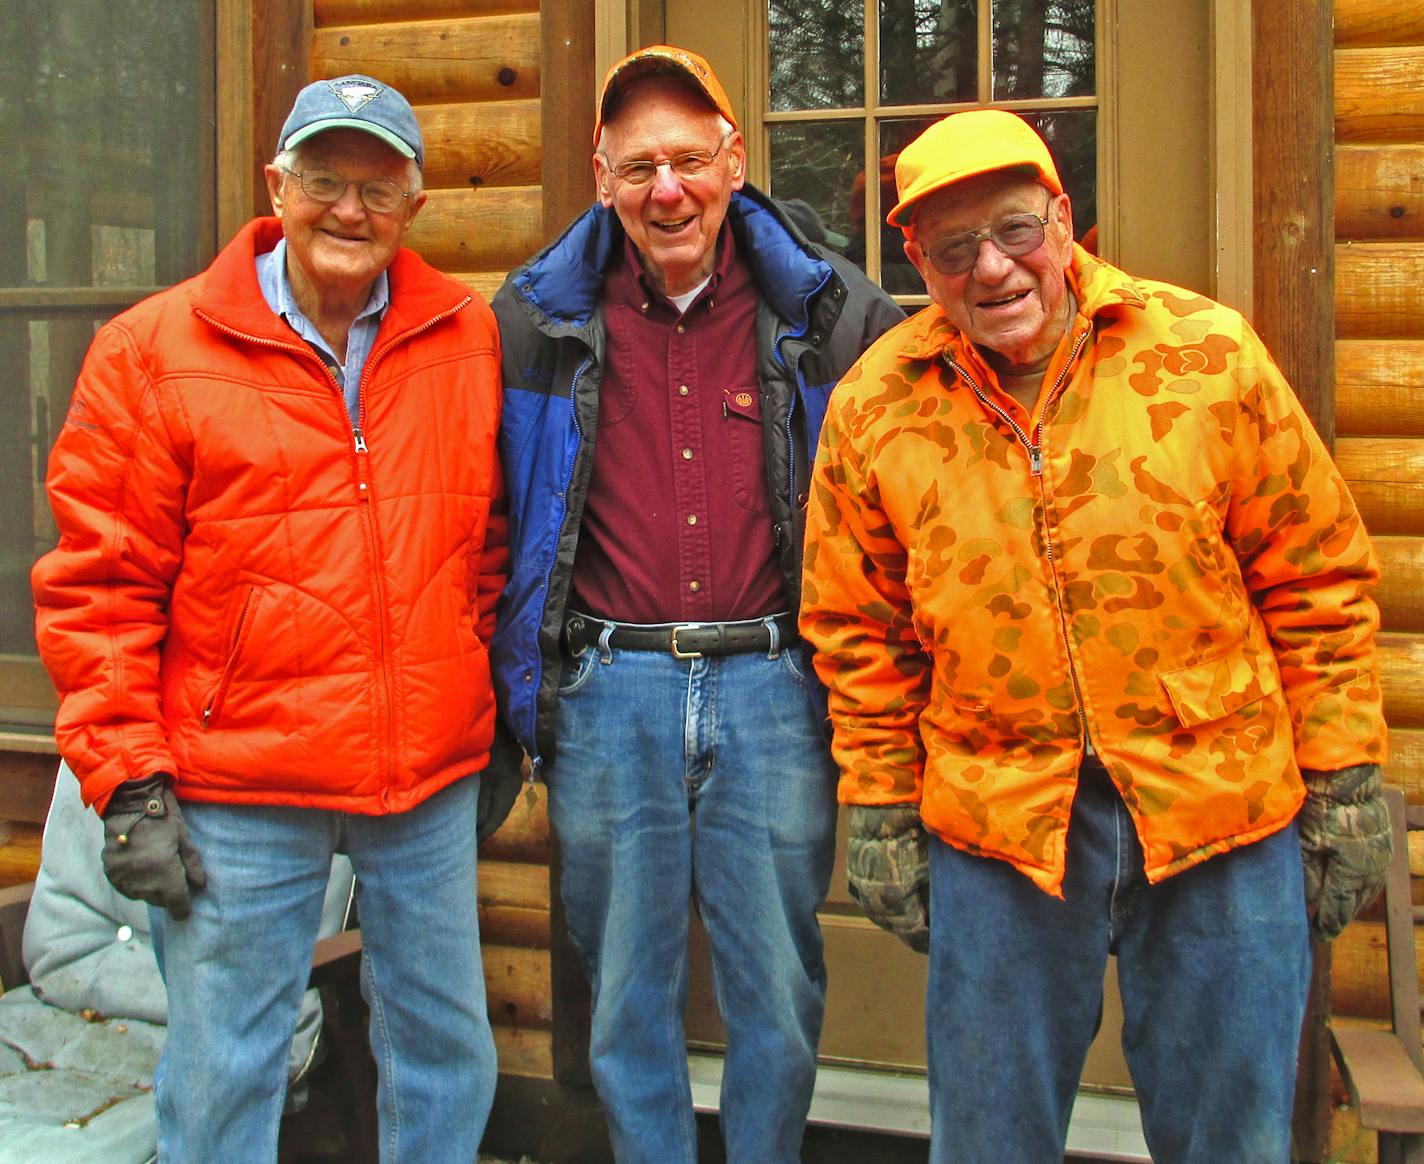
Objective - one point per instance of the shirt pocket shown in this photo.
(741, 410)
(1221, 686)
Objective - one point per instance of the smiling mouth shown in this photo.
(990, 303)
(671, 227)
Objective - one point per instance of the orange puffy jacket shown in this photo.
(1165, 561)
(250, 596)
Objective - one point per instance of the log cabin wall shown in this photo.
(1379, 403)
(471, 69)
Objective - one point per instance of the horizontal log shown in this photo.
(518, 986)
(484, 58)
(1406, 761)
(1377, 388)
(502, 925)
(1359, 971)
(481, 144)
(1379, 290)
(514, 883)
(484, 282)
(1378, 22)
(478, 230)
(1379, 192)
(1386, 478)
(1401, 663)
(524, 1052)
(1401, 583)
(26, 786)
(1379, 95)
(19, 852)
(326, 13)
(524, 836)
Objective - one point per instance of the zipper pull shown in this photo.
(360, 440)
(1035, 460)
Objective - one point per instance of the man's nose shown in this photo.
(991, 264)
(667, 186)
(349, 206)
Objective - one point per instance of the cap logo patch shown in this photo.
(354, 94)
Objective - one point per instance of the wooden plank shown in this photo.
(1401, 661)
(1377, 388)
(1379, 192)
(514, 883)
(517, 986)
(26, 786)
(1386, 479)
(1377, 22)
(1401, 583)
(510, 926)
(1406, 762)
(481, 144)
(483, 58)
(332, 12)
(477, 230)
(1383, 1081)
(1379, 290)
(524, 836)
(281, 35)
(567, 36)
(1379, 94)
(19, 852)
(524, 1052)
(1293, 262)
(485, 282)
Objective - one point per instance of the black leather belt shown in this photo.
(685, 640)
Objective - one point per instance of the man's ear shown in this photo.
(274, 178)
(603, 180)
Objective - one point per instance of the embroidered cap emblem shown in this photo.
(743, 399)
(354, 94)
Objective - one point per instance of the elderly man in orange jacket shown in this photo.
(1092, 605)
(281, 541)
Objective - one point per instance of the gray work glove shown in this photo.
(1346, 843)
(148, 854)
(500, 783)
(888, 866)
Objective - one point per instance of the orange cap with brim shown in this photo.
(655, 60)
(962, 145)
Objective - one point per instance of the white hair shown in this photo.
(291, 161)
(725, 129)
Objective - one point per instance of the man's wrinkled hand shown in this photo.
(1346, 843)
(888, 866)
(148, 854)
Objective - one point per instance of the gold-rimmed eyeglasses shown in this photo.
(688, 167)
(378, 195)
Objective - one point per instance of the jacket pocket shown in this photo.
(241, 632)
(1214, 689)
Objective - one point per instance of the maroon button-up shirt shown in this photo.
(677, 525)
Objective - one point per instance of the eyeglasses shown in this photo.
(688, 167)
(379, 195)
(1014, 235)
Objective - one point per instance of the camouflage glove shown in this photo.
(148, 854)
(888, 866)
(1346, 843)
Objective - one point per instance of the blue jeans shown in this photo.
(1213, 966)
(704, 780)
(235, 971)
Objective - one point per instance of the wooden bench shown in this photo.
(1384, 1070)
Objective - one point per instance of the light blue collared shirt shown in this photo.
(277, 290)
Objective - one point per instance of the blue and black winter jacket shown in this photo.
(817, 313)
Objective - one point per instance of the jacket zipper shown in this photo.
(1035, 461)
(240, 634)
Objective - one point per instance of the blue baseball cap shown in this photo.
(354, 102)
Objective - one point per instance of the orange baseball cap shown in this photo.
(962, 145)
(661, 59)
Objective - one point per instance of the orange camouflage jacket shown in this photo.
(1164, 560)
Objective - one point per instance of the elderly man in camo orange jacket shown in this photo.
(1092, 605)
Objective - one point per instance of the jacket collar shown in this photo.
(228, 292)
(1099, 287)
(564, 281)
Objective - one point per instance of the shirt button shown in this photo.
(692, 519)
(682, 389)
(694, 586)
(681, 327)
(687, 454)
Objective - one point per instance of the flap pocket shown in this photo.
(1214, 689)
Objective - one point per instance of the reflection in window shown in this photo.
(1040, 59)
(106, 110)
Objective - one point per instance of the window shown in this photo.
(850, 85)
(106, 108)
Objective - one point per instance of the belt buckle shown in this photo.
(677, 652)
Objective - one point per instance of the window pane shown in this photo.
(106, 107)
(1043, 48)
(928, 51)
(897, 273)
(1073, 141)
(817, 52)
(818, 163)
